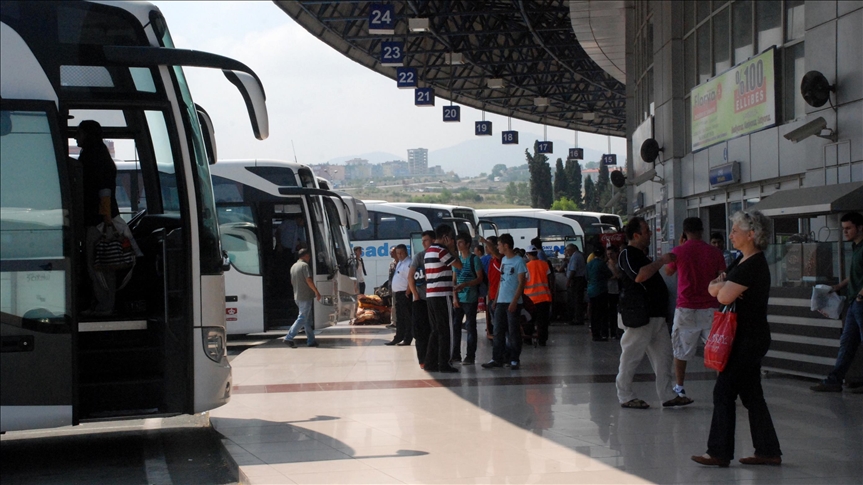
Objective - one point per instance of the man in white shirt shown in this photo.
(404, 333)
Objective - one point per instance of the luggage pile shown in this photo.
(373, 310)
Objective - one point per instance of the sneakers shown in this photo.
(826, 387)
(313, 344)
(491, 364)
(290, 343)
(514, 365)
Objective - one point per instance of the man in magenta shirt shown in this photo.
(697, 264)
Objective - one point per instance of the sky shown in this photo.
(320, 101)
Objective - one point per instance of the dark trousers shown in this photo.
(506, 345)
(575, 298)
(599, 317)
(404, 326)
(742, 376)
(422, 329)
(541, 316)
(467, 312)
(849, 342)
(440, 340)
(362, 288)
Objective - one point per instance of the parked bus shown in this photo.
(387, 226)
(162, 350)
(463, 218)
(525, 224)
(594, 224)
(268, 210)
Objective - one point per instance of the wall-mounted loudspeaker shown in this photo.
(650, 150)
(815, 89)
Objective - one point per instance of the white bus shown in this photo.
(525, 224)
(463, 218)
(387, 227)
(262, 203)
(162, 350)
(594, 224)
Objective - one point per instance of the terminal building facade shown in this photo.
(718, 86)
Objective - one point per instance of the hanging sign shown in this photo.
(544, 147)
(382, 19)
(482, 128)
(423, 97)
(740, 101)
(392, 53)
(725, 174)
(406, 77)
(609, 159)
(576, 154)
(451, 114)
(509, 137)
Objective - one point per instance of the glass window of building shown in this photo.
(705, 66)
(768, 22)
(721, 50)
(689, 63)
(742, 34)
(794, 25)
(794, 62)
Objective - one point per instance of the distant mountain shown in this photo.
(470, 158)
(373, 157)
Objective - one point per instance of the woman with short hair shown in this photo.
(747, 286)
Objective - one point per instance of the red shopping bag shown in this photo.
(481, 305)
(718, 346)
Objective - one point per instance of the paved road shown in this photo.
(181, 450)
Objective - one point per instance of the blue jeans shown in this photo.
(305, 319)
(852, 334)
(468, 311)
(506, 345)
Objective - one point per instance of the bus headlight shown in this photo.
(214, 343)
(328, 300)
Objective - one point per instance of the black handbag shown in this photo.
(632, 306)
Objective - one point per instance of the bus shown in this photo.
(526, 224)
(261, 204)
(387, 227)
(161, 352)
(594, 224)
(463, 218)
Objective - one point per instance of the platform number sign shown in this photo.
(406, 77)
(382, 19)
(392, 53)
(544, 147)
(509, 137)
(423, 97)
(609, 159)
(482, 128)
(576, 154)
(451, 114)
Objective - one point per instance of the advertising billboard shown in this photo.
(739, 101)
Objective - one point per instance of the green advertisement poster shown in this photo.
(739, 101)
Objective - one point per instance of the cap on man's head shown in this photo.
(531, 249)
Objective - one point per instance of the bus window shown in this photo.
(227, 191)
(435, 216)
(281, 176)
(322, 251)
(235, 213)
(337, 235)
(164, 161)
(552, 228)
(307, 178)
(240, 240)
(395, 227)
(366, 234)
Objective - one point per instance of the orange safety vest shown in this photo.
(537, 288)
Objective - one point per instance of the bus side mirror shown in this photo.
(209, 133)
(256, 101)
(226, 261)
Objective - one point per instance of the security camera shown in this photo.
(812, 128)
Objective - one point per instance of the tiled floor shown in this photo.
(356, 411)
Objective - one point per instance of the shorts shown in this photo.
(690, 325)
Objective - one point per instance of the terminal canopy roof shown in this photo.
(530, 45)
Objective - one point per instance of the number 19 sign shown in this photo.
(482, 128)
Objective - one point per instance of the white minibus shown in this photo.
(525, 224)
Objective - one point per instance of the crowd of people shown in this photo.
(439, 292)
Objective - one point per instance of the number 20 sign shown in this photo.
(451, 114)
(423, 97)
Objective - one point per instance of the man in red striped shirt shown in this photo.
(439, 260)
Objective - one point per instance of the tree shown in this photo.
(541, 195)
(560, 180)
(564, 204)
(511, 193)
(603, 187)
(573, 178)
(497, 171)
(523, 194)
(590, 200)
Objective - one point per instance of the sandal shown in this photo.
(635, 404)
(677, 401)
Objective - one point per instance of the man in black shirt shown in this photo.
(100, 207)
(644, 291)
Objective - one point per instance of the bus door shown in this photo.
(487, 228)
(345, 287)
(36, 297)
(287, 222)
